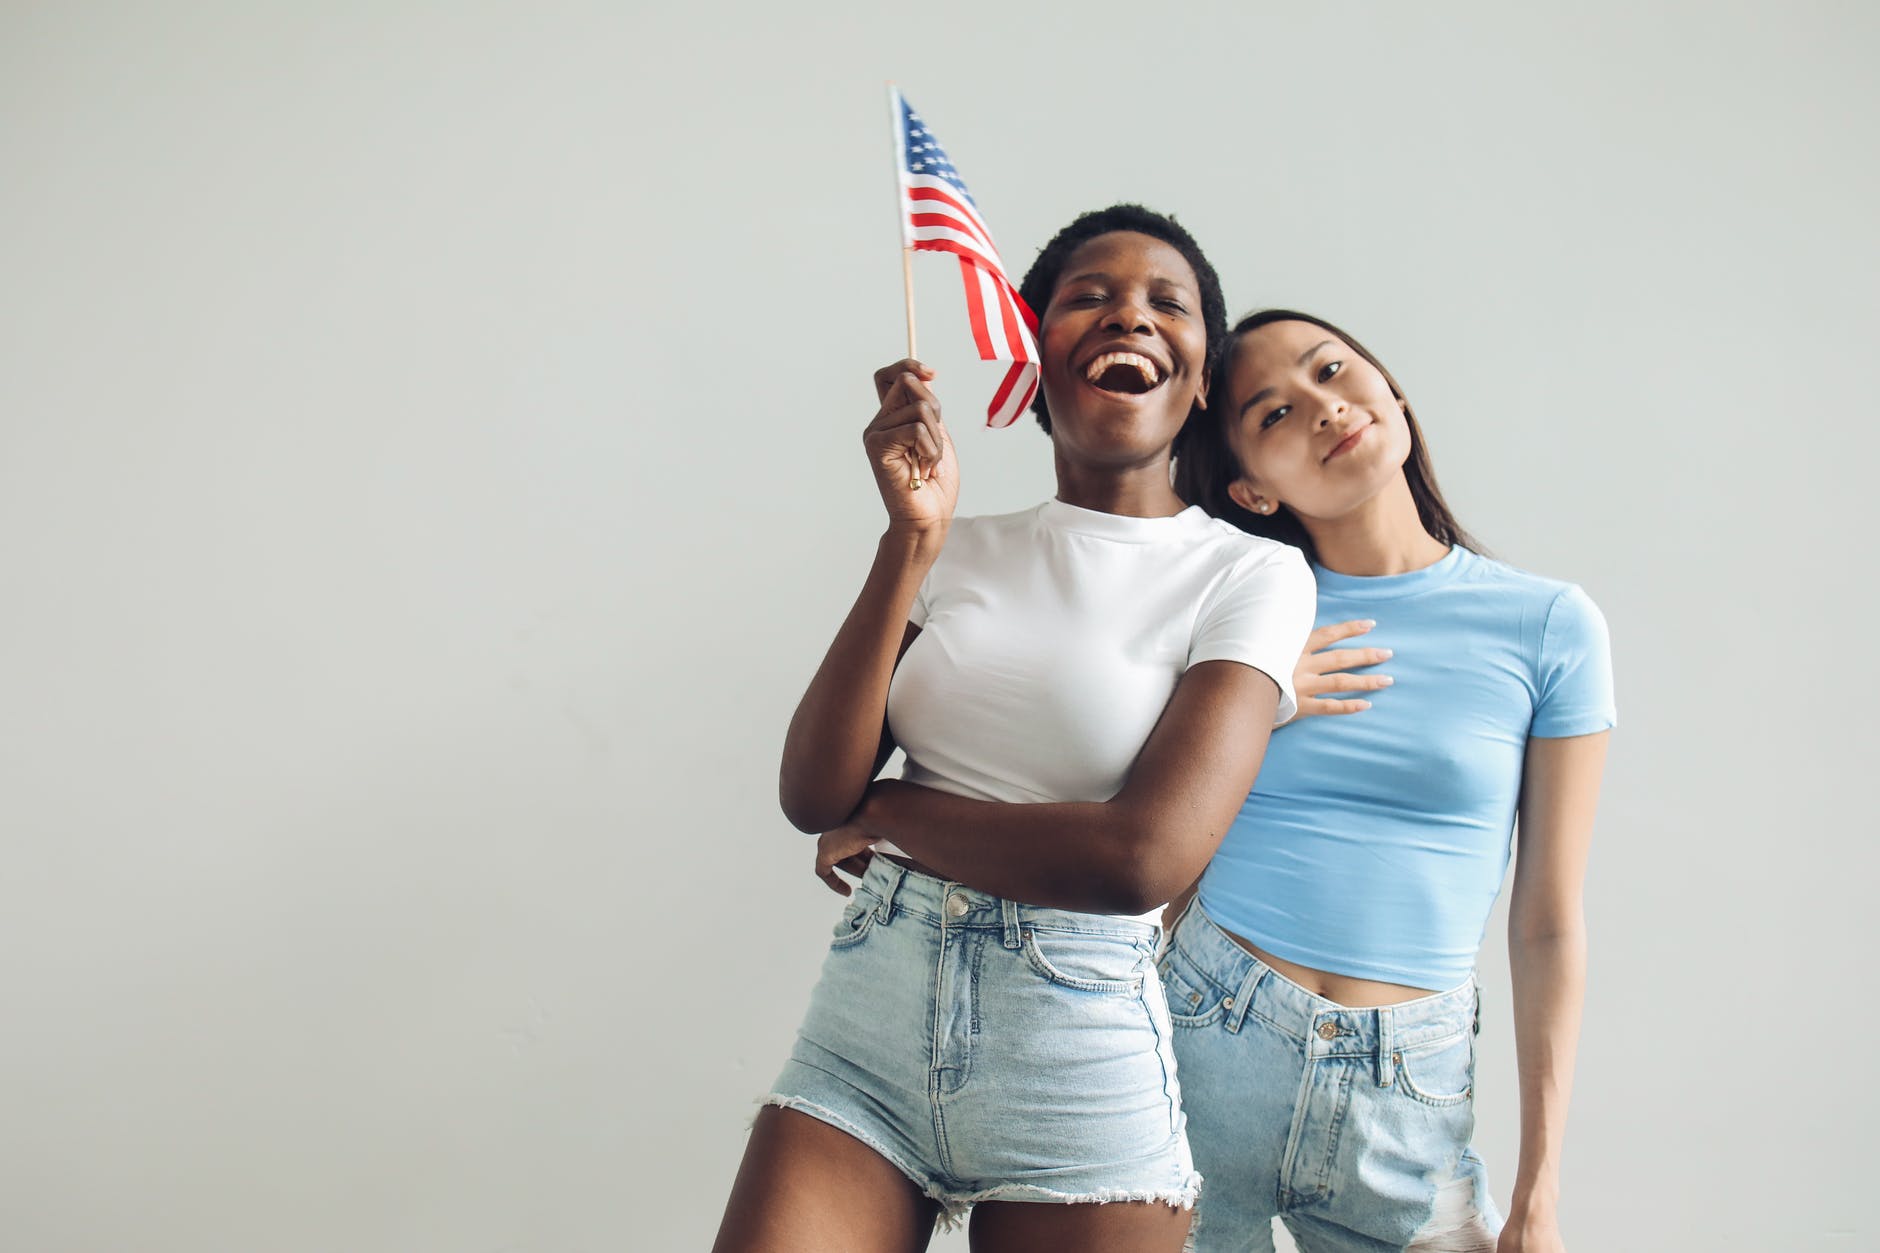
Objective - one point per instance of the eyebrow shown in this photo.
(1102, 276)
(1264, 392)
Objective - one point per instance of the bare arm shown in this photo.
(838, 737)
(1318, 671)
(1128, 854)
(1547, 959)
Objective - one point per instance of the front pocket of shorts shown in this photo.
(1441, 1073)
(1085, 961)
(1192, 999)
(855, 922)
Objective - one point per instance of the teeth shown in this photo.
(1151, 374)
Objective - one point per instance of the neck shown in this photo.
(1381, 536)
(1140, 491)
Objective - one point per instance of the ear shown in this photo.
(1201, 397)
(1242, 493)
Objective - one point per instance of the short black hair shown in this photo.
(1041, 279)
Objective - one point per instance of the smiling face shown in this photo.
(1314, 425)
(1124, 349)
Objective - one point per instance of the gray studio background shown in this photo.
(430, 470)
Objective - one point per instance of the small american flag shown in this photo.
(938, 215)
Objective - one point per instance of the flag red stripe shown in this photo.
(959, 206)
(955, 247)
(976, 311)
(930, 222)
(951, 221)
(962, 251)
(1005, 389)
(1007, 297)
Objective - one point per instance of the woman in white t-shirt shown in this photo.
(1084, 691)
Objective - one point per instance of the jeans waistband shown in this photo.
(899, 890)
(1249, 986)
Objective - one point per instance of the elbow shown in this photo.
(1121, 891)
(809, 810)
(1563, 936)
(1559, 927)
(1143, 873)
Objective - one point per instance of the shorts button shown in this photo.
(1194, 998)
(1328, 1030)
(1228, 1003)
(957, 906)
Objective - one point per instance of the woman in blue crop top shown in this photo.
(1321, 982)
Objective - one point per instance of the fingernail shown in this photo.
(1387, 652)
(1362, 704)
(1384, 680)
(1370, 622)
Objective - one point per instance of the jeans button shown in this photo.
(1328, 1030)
(957, 906)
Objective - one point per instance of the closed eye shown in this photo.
(1173, 306)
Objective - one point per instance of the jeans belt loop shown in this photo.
(884, 912)
(1008, 912)
(1386, 1048)
(1243, 996)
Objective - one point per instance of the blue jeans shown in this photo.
(1351, 1126)
(992, 1050)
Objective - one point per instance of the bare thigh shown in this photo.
(1116, 1227)
(808, 1187)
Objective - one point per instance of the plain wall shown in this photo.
(430, 470)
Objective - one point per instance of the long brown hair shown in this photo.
(1207, 465)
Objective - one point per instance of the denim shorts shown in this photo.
(1351, 1126)
(992, 1050)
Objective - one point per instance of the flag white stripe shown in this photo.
(995, 318)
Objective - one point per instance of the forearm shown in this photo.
(1097, 857)
(831, 751)
(1549, 977)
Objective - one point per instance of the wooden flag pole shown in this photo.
(907, 289)
(900, 211)
(907, 244)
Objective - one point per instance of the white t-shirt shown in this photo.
(1051, 641)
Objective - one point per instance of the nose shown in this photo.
(1127, 317)
(1331, 410)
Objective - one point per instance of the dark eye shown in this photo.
(1084, 298)
(1328, 369)
(1275, 416)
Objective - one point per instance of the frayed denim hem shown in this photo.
(955, 1206)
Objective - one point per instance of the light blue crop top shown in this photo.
(1374, 844)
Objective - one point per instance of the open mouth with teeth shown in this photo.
(1127, 373)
